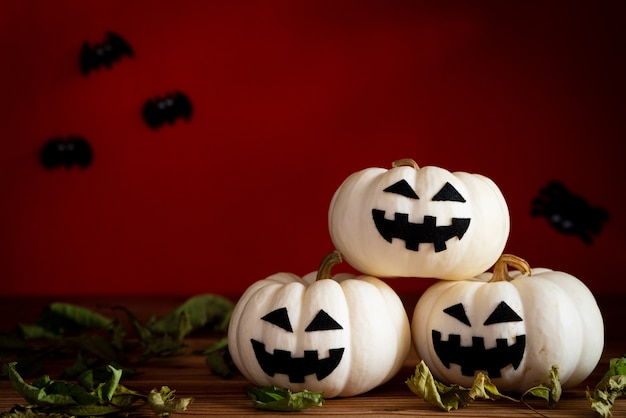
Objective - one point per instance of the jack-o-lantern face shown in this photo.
(418, 222)
(342, 335)
(476, 357)
(512, 326)
(281, 361)
(414, 234)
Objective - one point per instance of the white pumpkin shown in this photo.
(513, 327)
(341, 335)
(419, 222)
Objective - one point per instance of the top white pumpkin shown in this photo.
(419, 222)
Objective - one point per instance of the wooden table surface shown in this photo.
(213, 395)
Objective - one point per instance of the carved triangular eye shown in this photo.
(448, 192)
(402, 188)
(280, 318)
(322, 322)
(502, 313)
(458, 312)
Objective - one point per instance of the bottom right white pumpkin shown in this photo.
(513, 326)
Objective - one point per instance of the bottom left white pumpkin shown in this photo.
(342, 335)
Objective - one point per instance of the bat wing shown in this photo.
(82, 152)
(88, 59)
(119, 46)
(183, 105)
(151, 114)
(50, 154)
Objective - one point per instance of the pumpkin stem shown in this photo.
(329, 261)
(501, 272)
(405, 161)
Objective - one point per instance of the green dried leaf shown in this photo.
(611, 387)
(164, 402)
(77, 393)
(34, 332)
(107, 390)
(201, 311)
(92, 410)
(483, 388)
(80, 366)
(29, 411)
(143, 333)
(424, 385)
(550, 390)
(58, 317)
(41, 382)
(161, 346)
(97, 345)
(272, 398)
(49, 393)
(29, 392)
(126, 397)
(219, 360)
(617, 366)
(91, 375)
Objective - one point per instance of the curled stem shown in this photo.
(405, 161)
(332, 259)
(500, 269)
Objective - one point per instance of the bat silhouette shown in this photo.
(167, 109)
(569, 213)
(104, 54)
(73, 151)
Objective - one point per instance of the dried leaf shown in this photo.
(200, 311)
(28, 411)
(59, 317)
(109, 398)
(219, 360)
(611, 387)
(272, 398)
(483, 388)
(45, 392)
(424, 385)
(617, 366)
(550, 390)
(108, 389)
(164, 402)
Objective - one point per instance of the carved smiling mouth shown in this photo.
(478, 358)
(415, 234)
(296, 368)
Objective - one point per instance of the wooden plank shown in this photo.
(215, 396)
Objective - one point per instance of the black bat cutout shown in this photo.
(568, 213)
(167, 109)
(72, 151)
(104, 54)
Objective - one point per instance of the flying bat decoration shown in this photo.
(66, 152)
(93, 57)
(159, 110)
(568, 213)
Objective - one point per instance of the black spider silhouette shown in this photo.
(568, 213)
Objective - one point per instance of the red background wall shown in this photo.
(289, 98)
